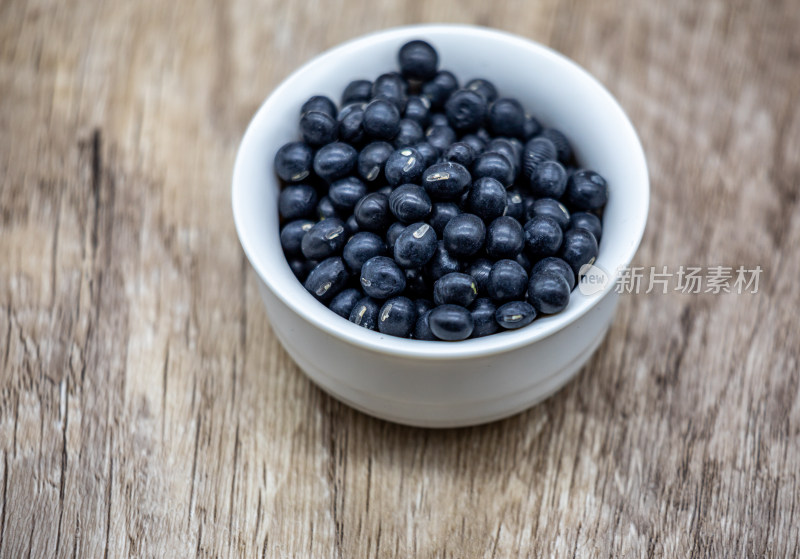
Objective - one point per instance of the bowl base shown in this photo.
(445, 415)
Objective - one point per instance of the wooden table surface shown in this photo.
(146, 409)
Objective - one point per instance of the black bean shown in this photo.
(326, 238)
(344, 302)
(418, 60)
(461, 153)
(442, 262)
(551, 208)
(293, 161)
(451, 322)
(318, 128)
(543, 236)
(292, 236)
(537, 151)
(588, 221)
(365, 313)
(488, 199)
(382, 278)
(410, 203)
(335, 161)
(483, 311)
(345, 194)
(578, 249)
(506, 118)
(504, 238)
(507, 281)
(360, 248)
(557, 265)
(464, 235)
(466, 110)
(372, 212)
(422, 329)
(327, 279)
(479, 270)
(482, 87)
(319, 103)
(357, 91)
(446, 180)
(586, 190)
(456, 288)
(381, 119)
(415, 246)
(549, 180)
(515, 314)
(397, 317)
(563, 147)
(548, 292)
(409, 134)
(372, 160)
(439, 88)
(404, 165)
(297, 201)
(495, 165)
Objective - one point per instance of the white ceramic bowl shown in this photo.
(440, 384)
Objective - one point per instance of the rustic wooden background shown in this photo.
(147, 411)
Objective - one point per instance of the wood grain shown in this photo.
(146, 409)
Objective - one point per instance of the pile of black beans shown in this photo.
(430, 210)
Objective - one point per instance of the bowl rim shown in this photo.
(375, 341)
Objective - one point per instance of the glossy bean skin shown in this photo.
(480, 269)
(422, 329)
(292, 236)
(543, 237)
(507, 281)
(515, 314)
(549, 180)
(446, 181)
(548, 292)
(578, 249)
(319, 103)
(318, 128)
(372, 161)
(397, 317)
(335, 161)
(557, 265)
(483, 316)
(587, 190)
(327, 279)
(418, 60)
(464, 235)
(410, 203)
(343, 303)
(466, 110)
(504, 238)
(488, 199)
(326, 238)
(455, 288)
(404, 165)
(382, 278)
(588, 221)
(381, 119)
(451, 323)
(415, 246)
(365, 313)
(361, 247)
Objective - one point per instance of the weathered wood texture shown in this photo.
(146, 410)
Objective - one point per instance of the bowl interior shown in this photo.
(551, 87)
